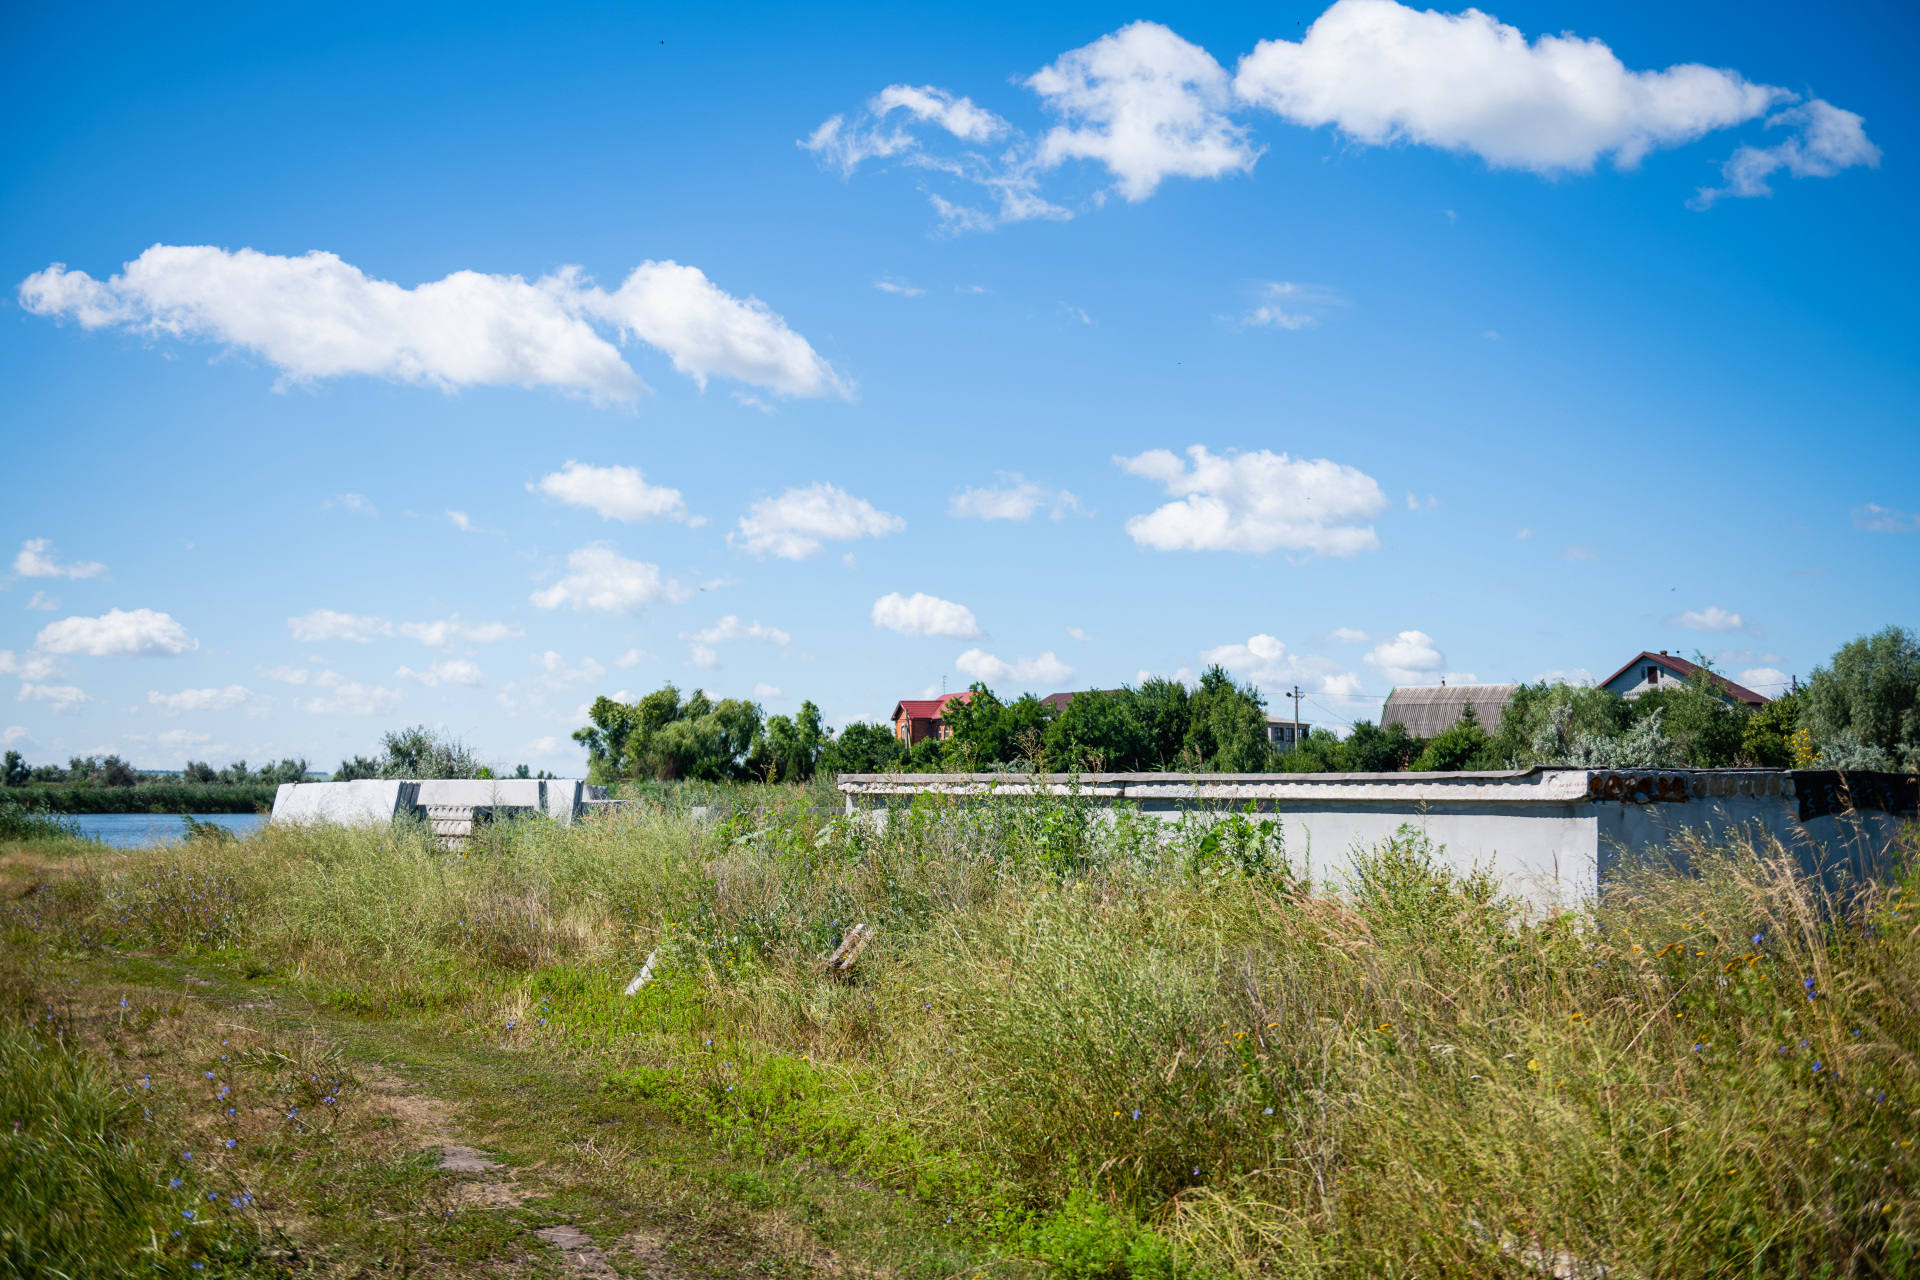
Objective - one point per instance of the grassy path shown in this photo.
(444, 1155)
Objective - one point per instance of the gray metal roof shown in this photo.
(1431, 709)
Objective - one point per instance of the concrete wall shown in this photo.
(1553, 836)
(372, 801)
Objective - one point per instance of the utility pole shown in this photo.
(1295, 695)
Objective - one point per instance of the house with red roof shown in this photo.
(1650, 671)
(917, 719)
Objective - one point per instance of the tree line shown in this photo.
(1859, 711)
(112, 771)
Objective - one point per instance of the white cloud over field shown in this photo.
(118, 633)
(36, 560)
(1045, 669)
(1256, 502)
(28, 666)
(233, 697)
(1014, 498)
(1408, 658)
(1145, 105)
(452, 671)
(615, 493)
(1711, 618)
(437, 633)
(316, 316)
(62, 698)
(923, 615)
(793, 525)
(1267, 663)
(600, 578)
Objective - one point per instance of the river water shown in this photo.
(130, 830)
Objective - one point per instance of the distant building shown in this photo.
(1650, 671)
(1427, 710)
(917, 719)
(1280, 732)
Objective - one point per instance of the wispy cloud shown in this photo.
(1871, 517)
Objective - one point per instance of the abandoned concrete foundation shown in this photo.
(1554, 836)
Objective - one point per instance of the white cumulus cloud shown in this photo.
(1828, 140)
(731, 628)
(36, 560)
(1770, 682)
(1871, 517)
(1146, 104)
(1408, 658)
(793, 525)
(615, 493)
(1015, 498)
(1266, 662)
(137, 633)
(1711, 618)
(558, 671)
(227, 699)
(60, 697)
(1383, 72)
(598, 577)
(762, 689)
(923, 615)
(983, 666)
(444, 633)
(28, 666)
(454, 671)
(354, 699)
(876, 135)
(316, 316)
(15, 733)
(327, 624)
(1256, 502)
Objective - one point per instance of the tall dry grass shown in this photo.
(1133, 1051)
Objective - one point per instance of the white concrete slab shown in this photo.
(367, 802)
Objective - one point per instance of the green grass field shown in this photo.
(1074, 1048)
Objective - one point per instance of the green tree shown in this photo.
(15, 772)
(862, 748)
(1699, 715)
(1370, 748)
(1164, 709)
(1098, 732)
(1464, 746)
(1318, 751)
(1870, 694)
(1530, 713)
(350, 770)
(606, 737)
(1766, 739)
(986, 731)
(418, 752)
(789, 749)
(1228, 729)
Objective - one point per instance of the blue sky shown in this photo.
(846, 353)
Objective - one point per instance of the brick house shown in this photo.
(917, 719)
